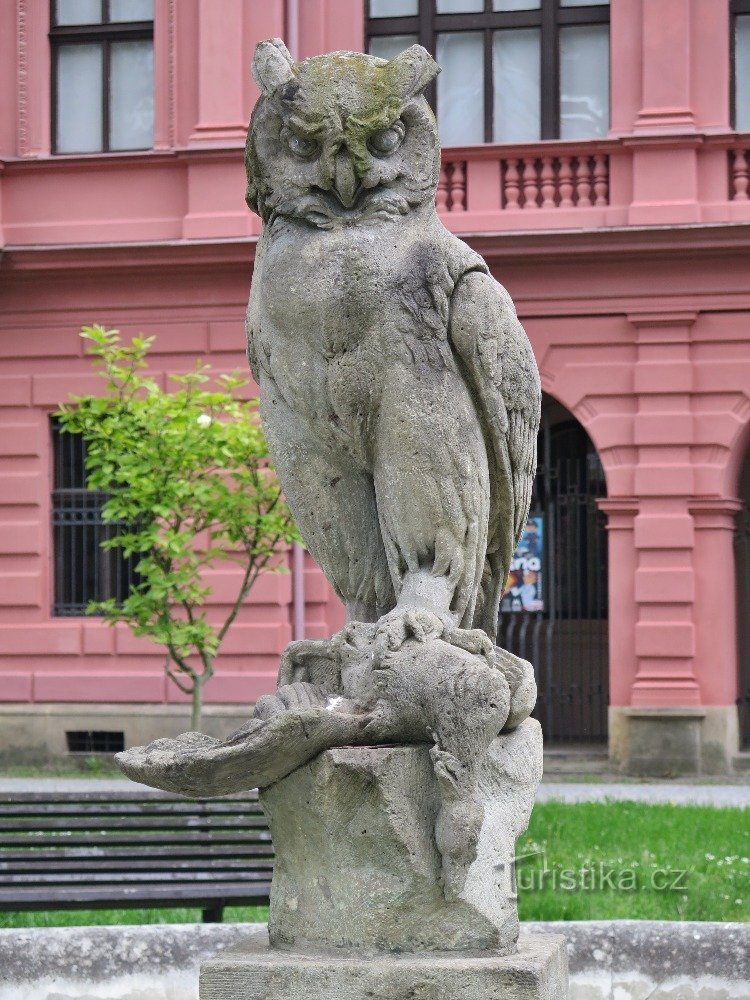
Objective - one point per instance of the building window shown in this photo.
(512, 70)
(741, 63)
(83, 570)
(102, 75)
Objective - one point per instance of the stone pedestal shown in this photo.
(377, 894)
(358, 861)
(538, 971)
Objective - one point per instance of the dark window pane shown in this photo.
(131, 10)
(504, 5)
(95, 742)
(460, 6)
(394, 8)
(83, 570)
(131, 119)
(516, 72)
(78, 12)
(742, 74)
(388, 46)
(460, 87)
(79, 98)
(584, 81)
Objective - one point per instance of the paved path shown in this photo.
(678, 794)
(681, 794)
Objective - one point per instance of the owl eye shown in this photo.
(386, 142)
(304, 148)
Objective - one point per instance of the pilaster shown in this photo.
(715, 611)
(664, 582)
(221, 70)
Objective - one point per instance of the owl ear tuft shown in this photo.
(272, 65)
(411, 71)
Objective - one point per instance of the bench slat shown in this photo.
(106, 852)
(163, 875)
(45, 824)
(115, 897)
(115, 801)
(184, 837)
(69, 866)
(114, 816)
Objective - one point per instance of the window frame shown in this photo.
(74, 506)
(550, 17)
(737, 8)
(104, 34)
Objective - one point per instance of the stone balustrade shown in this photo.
(574, 178)
(739, 172)
(594, 184)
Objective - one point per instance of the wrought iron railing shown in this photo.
(566, 639)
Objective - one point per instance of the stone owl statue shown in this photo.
(401, 400)
(399, 393)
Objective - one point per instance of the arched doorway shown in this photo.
(556, 608)
(742, 571)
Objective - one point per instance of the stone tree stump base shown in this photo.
(538, 971)
(365, 905)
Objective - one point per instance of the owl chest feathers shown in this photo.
(332, 312)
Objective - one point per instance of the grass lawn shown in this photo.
(625, 860)
(88, 766)
(586, 861)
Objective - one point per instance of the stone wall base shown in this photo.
(669, 742)
(257, 972)
(35, 734)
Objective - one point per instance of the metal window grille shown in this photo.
(102, 27)
(549, 17)
(95, 742)
(567, 642)
(83, 570)
(742, 571)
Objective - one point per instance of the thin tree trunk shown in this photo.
(197, 705)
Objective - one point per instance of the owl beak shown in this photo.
(344, 179)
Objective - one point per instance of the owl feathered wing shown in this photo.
(498, 364)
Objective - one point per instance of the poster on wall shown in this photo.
(523, 590)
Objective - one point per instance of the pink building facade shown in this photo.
(628, 257)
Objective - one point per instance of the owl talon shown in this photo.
(401, 624)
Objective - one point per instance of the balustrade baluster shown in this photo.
(583, 182)
(530, 183)
(601, 180)
(740, 175)
(512, 185)
(441, 198)
(458, 187)
(566, 182)
(548, 183)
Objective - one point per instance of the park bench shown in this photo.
(132, 849)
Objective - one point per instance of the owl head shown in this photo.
(340, 138)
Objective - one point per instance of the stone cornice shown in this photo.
(124, 257)
(643, 242)
(549, 245)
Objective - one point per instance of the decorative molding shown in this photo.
(651, 319)
(715, 512)
(172, 56)
(23, 76)
(176, 255)
(620, 511)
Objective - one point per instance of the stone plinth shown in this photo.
(358, 865)
(539, 971)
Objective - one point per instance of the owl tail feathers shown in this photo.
(491, 589)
